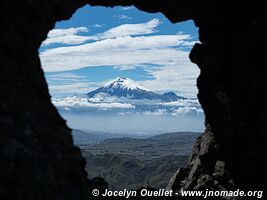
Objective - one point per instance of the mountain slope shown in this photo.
(131, 162)
(129, 172)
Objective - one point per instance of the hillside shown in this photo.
(131, 162)
(122, 171)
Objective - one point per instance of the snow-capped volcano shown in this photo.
(124, 96)
(124, 83)
(125, 87)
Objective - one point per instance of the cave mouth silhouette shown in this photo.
(190, 123)
(36, 163)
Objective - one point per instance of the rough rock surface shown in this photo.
(37, 156)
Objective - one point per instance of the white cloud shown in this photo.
(69, 31)
(69, 83)
(64, 76)
(131, 29)
(70, 36)
(98, 25)
(182, 103)
(122, 17)
(67, 39)
(131, 67)
(186, 110)
(67, 36)
(70, 88)
(179, 77)
(115, 52)
(128, 8)
(126, 67)
(75, 101)
(81, 102)
(157, 112)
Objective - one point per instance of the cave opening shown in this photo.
(123, 81)
(37, 155)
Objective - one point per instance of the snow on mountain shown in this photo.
(124, 83)
(125, 87)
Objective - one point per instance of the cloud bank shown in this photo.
(79, 102)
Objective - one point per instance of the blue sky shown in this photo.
(99, 44)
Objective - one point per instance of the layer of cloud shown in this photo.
(70, 36)
(70, 88)
(157, 112)
(84, 103)
(187, 109)
(130, 106)
(179, 76)
(66, 36)
(69, 31)
(128, 8)
(131, 30)
(65, 76)
(126, 17)
(69, 84)
(116, 52)
(98, 25)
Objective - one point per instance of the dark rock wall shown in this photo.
(37, 156)
(231, 153)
